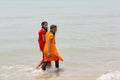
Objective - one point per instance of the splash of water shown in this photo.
(24, 72)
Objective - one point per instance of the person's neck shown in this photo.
(51, 32)
(44, 29)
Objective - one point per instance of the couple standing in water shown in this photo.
(47, 46)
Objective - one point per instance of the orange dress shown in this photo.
(53, 50)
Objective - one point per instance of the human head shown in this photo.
(44, 25)
(53, 28)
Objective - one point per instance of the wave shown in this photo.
(16, 72)
(110, 76)
(25, 72)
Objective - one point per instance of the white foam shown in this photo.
(10, 72)
(24, 72)
(110, 76)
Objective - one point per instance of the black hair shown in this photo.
(53, 26)
(42, 24)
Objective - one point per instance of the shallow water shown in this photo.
(87, 39)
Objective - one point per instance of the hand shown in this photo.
(48, 55)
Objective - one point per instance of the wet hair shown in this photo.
(42, 24)
(53, 26)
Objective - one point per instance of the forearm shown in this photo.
(43, 38)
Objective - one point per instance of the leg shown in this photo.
(41, 62)
(57, 64)
(49, 64)
(44, 65)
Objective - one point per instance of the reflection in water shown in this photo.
(57, 72)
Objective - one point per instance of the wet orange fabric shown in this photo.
(53, 50)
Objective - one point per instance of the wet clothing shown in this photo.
(53, 50)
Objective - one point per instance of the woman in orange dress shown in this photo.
(50, 51)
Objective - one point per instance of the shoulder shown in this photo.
(50, 35)
(42, 31)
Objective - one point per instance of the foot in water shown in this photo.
(40, 65)
(40, 71)
(49, 65)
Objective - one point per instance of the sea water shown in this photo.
(88, 39)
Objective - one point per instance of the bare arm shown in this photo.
(43, 38)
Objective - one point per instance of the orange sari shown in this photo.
(53, 50)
